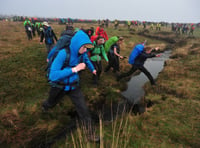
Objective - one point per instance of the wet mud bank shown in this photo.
(107, 112)
(161, 36)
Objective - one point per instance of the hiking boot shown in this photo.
(153, 83)
(44, 109)
(93, 138)
(96, 82)
(105, 70)
(114, 71)
(118, 78)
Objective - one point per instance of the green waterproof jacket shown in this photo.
(96, 53)
(27, 22)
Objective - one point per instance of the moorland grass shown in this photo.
(172, 121)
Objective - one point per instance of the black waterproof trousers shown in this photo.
(113, 62)
(133, 69)
(98, 67)
(77, 99)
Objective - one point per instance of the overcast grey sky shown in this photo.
(143, 10)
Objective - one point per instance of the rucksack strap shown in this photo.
(66, 63)
(47, 31)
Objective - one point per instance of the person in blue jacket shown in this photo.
(137, 59)
(48, 34)
(69, 77)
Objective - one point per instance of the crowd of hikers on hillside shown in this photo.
(183, 28)
(33, 27)
(78, 48)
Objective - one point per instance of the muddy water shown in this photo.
(135, 89)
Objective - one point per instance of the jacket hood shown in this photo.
(78, 40)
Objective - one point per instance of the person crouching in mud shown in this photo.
(137, 59)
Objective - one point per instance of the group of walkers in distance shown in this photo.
(78, 48)
(183, 29)
(32, 27)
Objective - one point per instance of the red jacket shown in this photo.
(101, 32)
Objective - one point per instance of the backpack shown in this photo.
(135, 52)
(110, 42)
(48, 35)
(63, 42)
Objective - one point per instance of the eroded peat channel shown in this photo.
(135, 89)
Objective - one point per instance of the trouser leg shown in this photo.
(29, 35)
(110, 62)
(79, 101)
(95, 77)
(49, 47)
(99, 69)
(55, 94)
(130, 72)
(148, 74)
(115, 64)
(108, 67)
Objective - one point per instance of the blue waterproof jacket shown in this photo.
(135, 52)
(70, 79)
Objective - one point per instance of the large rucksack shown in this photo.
(48, 35)
(63, 42)
(110, 42)
(135, 52)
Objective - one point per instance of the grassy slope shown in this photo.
(23, 88)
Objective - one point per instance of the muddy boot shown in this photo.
(153, 82)
(95, 80)
(93, 138)
(118, 77)
(45, 106)
(90, 134)
(44, 109)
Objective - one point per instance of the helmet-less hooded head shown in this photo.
(78, 40)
